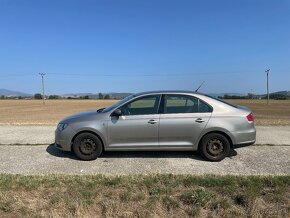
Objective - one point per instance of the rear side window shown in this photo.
(180, 104)
(184, 104)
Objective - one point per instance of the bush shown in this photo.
(37, 96)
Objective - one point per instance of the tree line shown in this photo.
(100, 96)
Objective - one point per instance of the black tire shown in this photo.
(214, 147)
(87, 146)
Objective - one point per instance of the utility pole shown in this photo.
(267, 71)
(42, 79)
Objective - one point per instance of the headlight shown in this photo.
(62, 126)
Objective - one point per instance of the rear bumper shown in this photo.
(244, 144)
(244, 138)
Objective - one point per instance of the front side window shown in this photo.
(118, 103)
(184, 104)
(142, 106)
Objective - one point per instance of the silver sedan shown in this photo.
(163, 120)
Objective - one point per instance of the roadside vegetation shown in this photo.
(144, 196)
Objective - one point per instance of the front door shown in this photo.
(138, 125)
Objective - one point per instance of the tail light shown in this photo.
(250, 117)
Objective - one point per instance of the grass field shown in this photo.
(144, 196)
(33, 112)
(277, 113)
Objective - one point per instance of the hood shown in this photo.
(83, 116)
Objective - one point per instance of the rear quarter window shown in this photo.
(204, 107)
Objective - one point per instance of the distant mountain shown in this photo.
(279, 93)
(113, 95)
(77, 94)
(11, 93)
(286, 93)
(117, 95)
(222, 94)
(120, 95)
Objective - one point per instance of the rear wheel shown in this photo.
(87, 146)
(214, 147)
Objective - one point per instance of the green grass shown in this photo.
(163, 195)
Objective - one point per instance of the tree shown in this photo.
(37, 96)
(2, 96)
(107, 96)
(53, 97)
(101, 96)
(250, 96)
(86, 97)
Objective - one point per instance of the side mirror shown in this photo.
(117, 113)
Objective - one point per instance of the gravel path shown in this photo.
(273, 135)
(45, 159)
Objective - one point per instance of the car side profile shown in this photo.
(161, 120)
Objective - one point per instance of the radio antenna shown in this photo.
(199, 86)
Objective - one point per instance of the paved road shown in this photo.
(45, 159)
(273, 135)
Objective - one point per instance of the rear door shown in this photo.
(182, 121)
(138, 126)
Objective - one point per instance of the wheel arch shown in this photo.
(219, 132)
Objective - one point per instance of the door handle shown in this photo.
(199, 120)
(152, 121)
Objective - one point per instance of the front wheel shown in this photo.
(214, 147)
(87, 146)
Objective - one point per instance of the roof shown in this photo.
(169, 92)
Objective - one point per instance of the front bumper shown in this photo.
(62, 140)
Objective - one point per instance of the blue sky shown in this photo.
(132, 46)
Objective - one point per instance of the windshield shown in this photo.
(118, 103)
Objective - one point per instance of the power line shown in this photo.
(122, 74)
(42, 79)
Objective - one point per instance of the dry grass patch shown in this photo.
(33, 112)
(144, 196)
(276, 113)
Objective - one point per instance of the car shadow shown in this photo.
(58, 153)
(134, 154)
